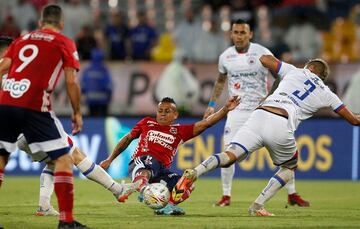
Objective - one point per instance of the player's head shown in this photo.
(241, 34)
(319, 67)
(52, 16)
(166, 111)
(5, 41)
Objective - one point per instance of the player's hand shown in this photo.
(232, 103)
(105, 164)
(77, 123)
(209, 111)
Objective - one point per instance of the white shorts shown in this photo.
(37, 156)
(264, 128)
(234, 121)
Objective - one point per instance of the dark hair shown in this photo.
(52, 14)
(5, 41)
(322, 68)
(167, 100)
(240, 21)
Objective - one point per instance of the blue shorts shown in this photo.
(159, 173)
(42, 130)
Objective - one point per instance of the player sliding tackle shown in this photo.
(300, 94)
(159, 139)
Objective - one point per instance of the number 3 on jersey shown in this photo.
(27, 59)
(307, 90)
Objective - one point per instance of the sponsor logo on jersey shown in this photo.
(237, 86)
(76, 55)
(16, 88)
(39, 36)
(231, 56)
(165, 140)
(157, 135)
(243, 74)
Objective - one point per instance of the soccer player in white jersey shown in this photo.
(301, 92)
(247, 78)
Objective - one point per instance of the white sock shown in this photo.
(46, 187)
(275, 184)
(95, 173)
(290, 186)
(212, 163)
(227, 175)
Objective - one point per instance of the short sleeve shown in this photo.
(187, 132)
(221, 66)
(333, 101)
(283, 68)
(136, 130)
(70, 55)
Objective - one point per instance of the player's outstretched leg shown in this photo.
(293, 197)
(275, 184)
(190, 175)
(95, 173)
(184, 184)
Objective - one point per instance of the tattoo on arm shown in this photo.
(218, 87)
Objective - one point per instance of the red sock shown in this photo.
(1, 176)
(184, 197)
(144, 181)
(64, 190)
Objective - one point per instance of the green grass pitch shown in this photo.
(334, 204)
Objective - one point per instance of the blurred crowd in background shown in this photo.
(294, 30)
(158, 30)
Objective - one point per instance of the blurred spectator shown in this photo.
(186, 32)
(76, 15)
(210, 43)
(96, 85)
(352, 93)
(177, 82)
(25, 15)
(165, 49)
(341, 43)
(117, 34)
(143, 38)
(271, 36)
(85, 42)
(9, 28)
(242, 9)
(303, 40)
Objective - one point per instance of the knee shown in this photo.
(76, 155)
(236, 152)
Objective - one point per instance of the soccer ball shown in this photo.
(156, 195)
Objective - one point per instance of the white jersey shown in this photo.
(301, 93)
(247, 77)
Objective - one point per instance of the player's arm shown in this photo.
(216, 93)
(217, 116)
(119, 148)
(270, 62)
(353, 119)
(4, 67)
(73, 91)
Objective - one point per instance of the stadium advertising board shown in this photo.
(328, 148)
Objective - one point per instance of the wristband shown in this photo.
(212, 104)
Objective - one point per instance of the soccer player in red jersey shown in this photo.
(34, 63)
(159, 139)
